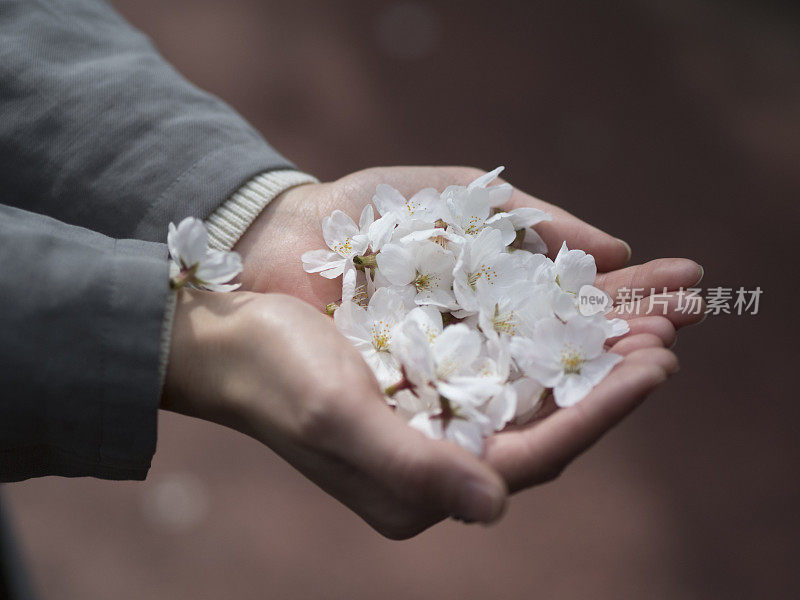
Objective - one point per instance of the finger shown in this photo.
(434, 475)
(656, 325)
(540, 452)
(672, 305)
(670, 273)
(662, 357)
(609, 252)
(636, 342)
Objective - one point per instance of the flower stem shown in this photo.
(365, 261)
(403, 384)
(449, 319)
(183, 278)
(518, 240)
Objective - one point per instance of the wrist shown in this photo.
(232, 219)
(267, 247)
(203, 335)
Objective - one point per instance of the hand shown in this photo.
(536, 453)
(274, 368)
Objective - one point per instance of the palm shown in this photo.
(291, 225)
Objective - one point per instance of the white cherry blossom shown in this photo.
(469, 209)
(424, 267)
(574, 269)
(567, 357)
(197, 265)
(447, 364)
(571, 271)
(371, 329)
(425, 206)
(515, 309)
(469, 213)
(465, 426)
(498, 194)
(481, 257)
(357, 287)
(429, 321)
(444, 375)
(345, 240)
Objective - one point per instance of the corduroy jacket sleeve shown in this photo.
(98, 130)
(80, 331)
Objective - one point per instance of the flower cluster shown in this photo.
(465, 322)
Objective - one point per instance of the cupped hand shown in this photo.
(276, 369)
(539, 451)
(536, 453)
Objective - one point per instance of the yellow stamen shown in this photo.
(572, 361)
(504, 323)
(380, 336)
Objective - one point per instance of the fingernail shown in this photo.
(702, 273)
(479, 502)
(703, 318)
(627, 248)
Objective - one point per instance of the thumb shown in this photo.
(434, 475)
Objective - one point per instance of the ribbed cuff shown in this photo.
(229, 222)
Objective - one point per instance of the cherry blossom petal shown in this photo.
(502, 407)
(527, 217)
(366, 219)
(337, 230)
(467, 434)
(188, 241)
(396, 263)
(571, 390)
(219, 267)
(485, 179)
(574, 269)
(597, 368)
(584, 334)
(499, 195)
(387, 199)
(316, 261)
(529, 398)
(456, 346)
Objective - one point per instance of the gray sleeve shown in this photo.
(80, 329)
(97, 130)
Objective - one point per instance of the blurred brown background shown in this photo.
(674, 125)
